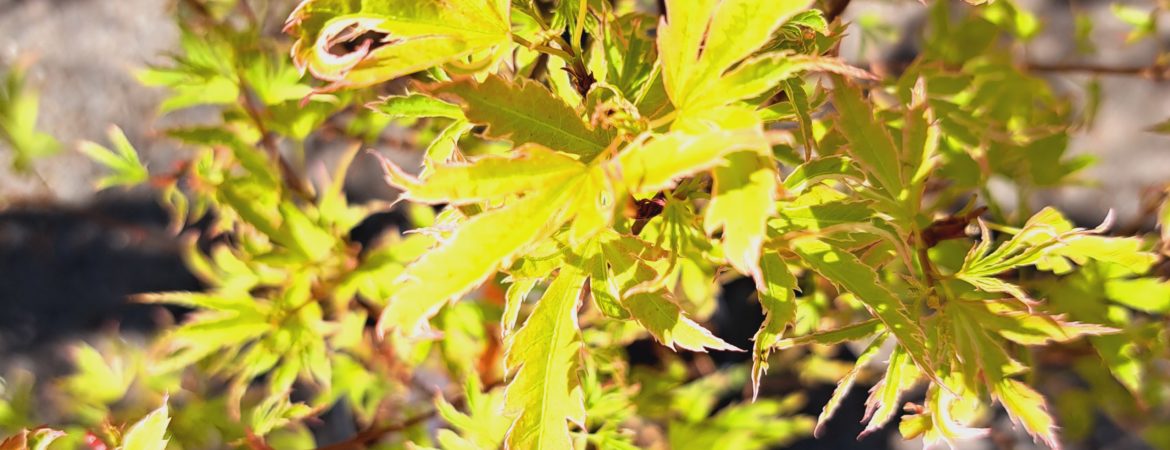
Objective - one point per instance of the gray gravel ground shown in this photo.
(86, 51)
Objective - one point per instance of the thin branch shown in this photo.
(1153, 72)
(268, 141)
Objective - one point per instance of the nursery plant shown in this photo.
(590, 175)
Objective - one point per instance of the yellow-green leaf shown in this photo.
(363, 43)
(543, 356)
(479, 247)
(701, 39)
(524, 112)
(663, 318)
(122, 161)
(884, 398)
(416, 106)
(490, 178)
(148, 433)
(870, 143)
(778, 299)
(844, 269)
(845, 385)
(1028, 408)
(653, 164)
(744, 198)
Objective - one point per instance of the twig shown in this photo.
(290, 177)
(1153, 72)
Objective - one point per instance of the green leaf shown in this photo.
(844, 269)
(98, 380)
(802, 109)
(760, 74)
(1151, 295)
(702, 39)
(514, 297)
(444, 148)
(543, 357)
(820, 169)
(1017, 322)
(1142, 20)
(482, 245)
(19, 109)
(416, 106)
(482, 426)
(148, 433)
(362, 43)
(652, 164)
(845, 385)
(870, 143)
(1049, 241)
(884, 398)
(490, 178)
(1028, 408)
(663, 318)
(618, 264)
(743, 199)
(490, 240)
(778, 299)
(524, 112)
(820, 209)
(123, 161)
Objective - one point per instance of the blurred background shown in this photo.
(70, 254)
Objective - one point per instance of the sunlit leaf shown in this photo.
(148, 433)
(359, 44)
(843, 268)
(664, 320)
(122, 161)
(778, 300)
(524, 112)
(845, 385)
(702, 39)
(648, 167)
(870, 143)
(544, 393)
(743, 199)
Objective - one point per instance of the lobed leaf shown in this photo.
(885, 397)
(358, 44)
(870, 143)
(148, 433)
(524, 112)
(701, 39)
(544, 392)
(664, 319)
(652, 164)
(122, 160)
(491, 178)
(478, 248)
(743, 199)
(844, 269)
(778, 299)
(845, 385)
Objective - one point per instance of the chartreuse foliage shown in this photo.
(19, 109)
(591, 173)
